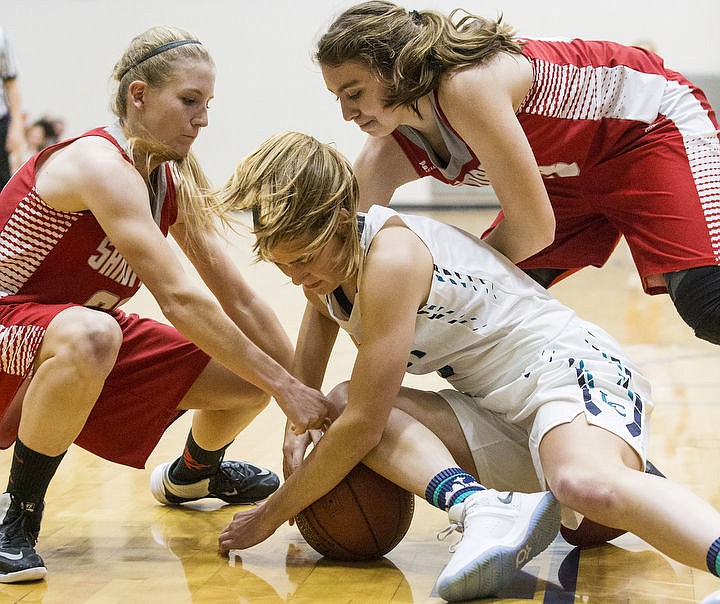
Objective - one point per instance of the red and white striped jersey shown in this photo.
(625, 147)
(53, 257)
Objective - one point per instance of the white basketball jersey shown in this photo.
(487, 327)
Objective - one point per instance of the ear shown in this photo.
(346, 218)
(346, 223)
(136, 93)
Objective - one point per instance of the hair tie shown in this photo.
(415, 16)
(157, 51)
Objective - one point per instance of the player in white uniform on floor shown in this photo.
(420, 296)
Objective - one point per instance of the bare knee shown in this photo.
(591, 493)
(256, 401)
(84, 340)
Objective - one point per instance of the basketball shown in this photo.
(589, 534)
(362, 518)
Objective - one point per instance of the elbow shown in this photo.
(544, 232)
(549, 227)
(362, 438)
(370, 438)
(373, 440)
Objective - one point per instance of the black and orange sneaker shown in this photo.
(236, 482)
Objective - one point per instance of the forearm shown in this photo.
(13, 99)
(515, 243)
(248, 311)
(315, 342)
(202, 321)
(260, 323)
(340, 449)
(16, 130)
(358, 431)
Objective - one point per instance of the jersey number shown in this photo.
(103, 299)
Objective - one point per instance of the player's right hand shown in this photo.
(295, 448)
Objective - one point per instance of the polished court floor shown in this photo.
(105, 540)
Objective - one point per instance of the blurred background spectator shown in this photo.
(12, 131)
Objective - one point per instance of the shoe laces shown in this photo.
(228, 477)
(21, 526)
(449, 530)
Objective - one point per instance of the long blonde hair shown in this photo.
(300, 192)
(410, 51)
(141, 61)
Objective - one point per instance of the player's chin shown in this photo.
(181, 152)
(321, 288)
(590, 534)
(181, 149)
(374, 128)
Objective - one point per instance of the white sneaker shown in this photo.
(501, 533)
(713, 598)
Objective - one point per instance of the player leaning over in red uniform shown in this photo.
(583, 142)
(82, 224)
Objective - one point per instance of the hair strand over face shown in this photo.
(302, 194)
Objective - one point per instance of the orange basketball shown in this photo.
(362, 518)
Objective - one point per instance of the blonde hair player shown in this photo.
(82, 225)
(420, 296)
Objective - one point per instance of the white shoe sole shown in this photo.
(29, 574)
(157, 484)
(496, 567)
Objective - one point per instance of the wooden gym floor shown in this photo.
(105, 540)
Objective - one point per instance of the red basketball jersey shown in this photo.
(625, 147)
(54, 257)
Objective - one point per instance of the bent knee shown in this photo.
(219, 389)
(257, 399)
(696, 295)
(249, 399)
(83, 337)
(589, 493)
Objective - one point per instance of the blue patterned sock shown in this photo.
(451, 486)
(713, 558)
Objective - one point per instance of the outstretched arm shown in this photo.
(15, 141)
(238, 299)
(316, 339)
(253, 316)
(395, 284)
(90, 174)
(480, 103)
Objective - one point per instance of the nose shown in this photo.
(201, 119)
(296, 273)
(297, 280)
(349, 111)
